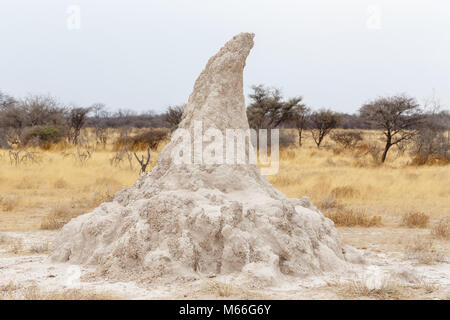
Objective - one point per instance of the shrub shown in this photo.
(151, 138)
(58, 217)
(329, 202)
(422, 250)
(415, 219)
(60, 184)
(351, 218)
(8, 203)
(430, 145)
(347, 140)
(42, 136)
(420, 160)
(442, 229)
(16, 246)
(52, 222)
(286, 139)
(344, 192)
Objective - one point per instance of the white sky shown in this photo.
(146, 55)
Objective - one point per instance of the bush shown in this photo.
(415, 219)
(351, 218)
(42, 136)
(442, 229)
(347, 140)
(423, 250)
(430, 147)
(287, 139)
(151, 138)
(344, 192)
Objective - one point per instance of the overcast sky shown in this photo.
(146, 55)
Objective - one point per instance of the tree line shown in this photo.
(400, 117)
(38, 119)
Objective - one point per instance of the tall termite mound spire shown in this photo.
(218, 96)
(182, 221)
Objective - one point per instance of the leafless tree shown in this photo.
(100, 128)
(174, 115)
(144, 161)
(397, 116)
(34, 110)
(77, 119)
(322, 122)
(43, 110)
(431, 141)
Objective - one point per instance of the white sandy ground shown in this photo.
(25, 269)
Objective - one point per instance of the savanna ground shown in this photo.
(396, 214)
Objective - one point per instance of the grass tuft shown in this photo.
(415, 220)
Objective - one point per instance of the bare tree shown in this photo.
(322, 122)
(397, 116)
(77, 119)
(43, 110)
(430, 142)
(174, 115)
(100, 128)
(33, 111)
(144, 161)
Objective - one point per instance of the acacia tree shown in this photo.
(266, 109)
(269, 110)
(322, 122)
(300, 117)
(397, 116)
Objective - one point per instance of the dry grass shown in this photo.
(353, 217)
(8, 203)
(423, 250)
(58, 217)
(387, 289)
(60, 184)
(334, 182)
(16, 246)
(344, 192)
(441, 230)
(40, 248)
(223, 289)
(32, 292)
(415, 220)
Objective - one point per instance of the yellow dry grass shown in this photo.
(49, 193)
(347, 179)
(415, 219)
(33, 292)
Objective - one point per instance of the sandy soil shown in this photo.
(388, 273)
